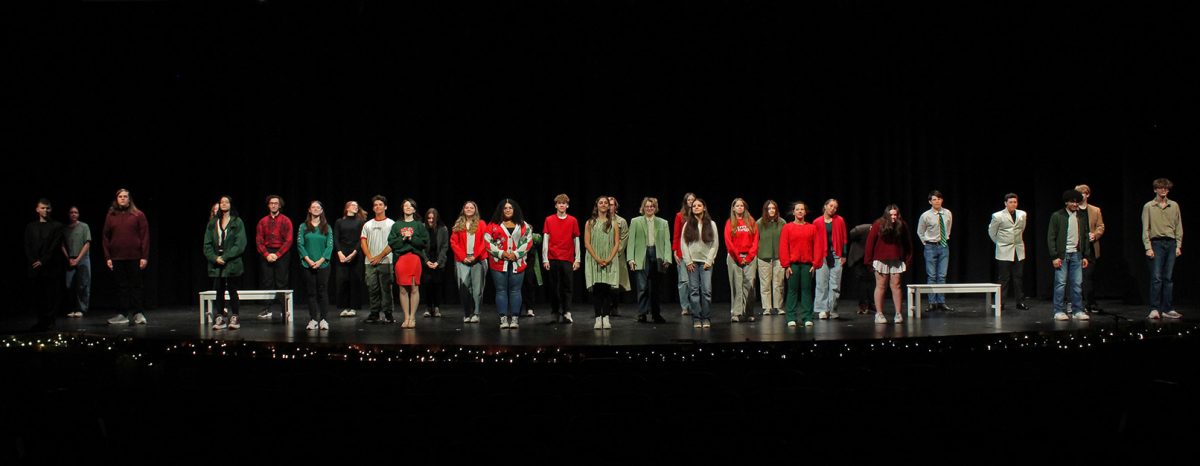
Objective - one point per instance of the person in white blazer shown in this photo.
(1007, 230)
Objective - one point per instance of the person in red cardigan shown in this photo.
(470, 259)
(889, 252)
(830, 241)
(127, 254)
(688, 199)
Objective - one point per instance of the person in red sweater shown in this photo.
(127, 254)
(831, 257)
(889, 253)
(796, 255)
(688, 199)
(273, 238)
(470, 259)
(741, 240)
(561, 256)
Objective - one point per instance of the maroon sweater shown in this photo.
(126, 236)
(880, 248)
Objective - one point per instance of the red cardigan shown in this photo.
(880, 248)
(796, 245)
(675, 236)
(458, 243)
(821, 240)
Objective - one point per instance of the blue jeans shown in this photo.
(508, 292)
(684, 292)
(829, 286)
(1161, 266)
(1071, 271)
(700, 292)
(937, 259)
(79, 281)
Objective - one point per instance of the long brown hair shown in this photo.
(323, 226)
(465, 223)
(684, 208)
(437, 219)
(705, 225)
(766, 218)
(362, 213)
(596, 214)
(890, 230)
(115, 208)
(745, 217)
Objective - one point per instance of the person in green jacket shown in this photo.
(314, 244)
(408, 240)
(224, 243)
(1069, 251)
(649, 243)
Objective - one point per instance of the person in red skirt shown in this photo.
(408, 240)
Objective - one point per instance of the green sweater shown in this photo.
(414, 244)
(768, 239)
(235, 245)
(314, 245)
(637, 245)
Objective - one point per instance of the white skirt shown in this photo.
(889, 267)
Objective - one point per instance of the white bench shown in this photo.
(989, 290)
(207, 298)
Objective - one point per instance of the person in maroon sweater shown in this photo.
(889, 252)
(688, 199)
(127, 253)
(273, 238)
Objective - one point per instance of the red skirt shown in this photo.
(408, 270)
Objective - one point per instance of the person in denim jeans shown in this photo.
(1162, 236)
(699, 243)
(933, 228)
(1069, 250)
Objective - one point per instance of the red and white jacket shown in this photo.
(500, 241)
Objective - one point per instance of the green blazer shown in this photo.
(636, 249)
(1057, 236)
(235, 245)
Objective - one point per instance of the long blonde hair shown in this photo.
(465, 223)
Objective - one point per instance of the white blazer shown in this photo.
(1008, 235)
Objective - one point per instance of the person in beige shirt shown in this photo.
(1162, 237)
(1095, 231)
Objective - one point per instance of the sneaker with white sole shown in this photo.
(1154, 315)
(118, 319)
(343, 313)
(351, 313)
(139, 319)
(880, 319)
(1172, 315)
(568, 319)
(697, 324)
(707, 323)
(512, 323)
(504, 322)
(605, 323)
(427, 314)
(323, 325)
(791, 324)
(265, 314)
(1082, 316)
(1061, 316)
(529, 313)
(220, 323)
(312, 325)
(899, 318)
(475, 319)
(736, 318)
(823, 315)
(833, 315)
(437, 312)
(466, 319)
(598, 325)
(234, 322)
(808, 323)
(685, 312)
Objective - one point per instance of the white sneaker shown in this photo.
(1154, 315)
(475, 319)
(880, 319)
(312, 325)
(1061, 316)
(265, 314)
(791, 324)
(343, 313)
(833, 315)
(466, 319)
(427, 314)
(899, 318)
(503, 321)
(351, 313)
(139, 319)
(567, 317)
(599, 325)
(808, 323)
(529, 313)
(1082, 316)
(697, 324)
(80, 314)
(685, 312)
(1172, 315)
(736, 318)
(607, 324)
(323, 325)
(707, 323)
(512, 323)
(118, 319)
(234, 322)
(220, 323)
(437, 312)
(823, 315)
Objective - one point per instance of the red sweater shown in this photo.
(740, 241)
(796, 244)
(562, 237)
(821, 240)
(675, 236)
(126, 236)
(458, 243)
(880, 248)
(276, 233)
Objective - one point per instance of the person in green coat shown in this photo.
(224, 243)
(648, 246)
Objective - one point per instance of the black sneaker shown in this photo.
(373, 318)
(946, 308)
(1022, 306)
(388, 319)
(658, 319)
(642, 319)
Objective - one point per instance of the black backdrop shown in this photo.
(868, 102)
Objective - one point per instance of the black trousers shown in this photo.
(49, 288)
(274, 276)
(1089, 288)
(129, 287)
(223, 284)
(432, 284)
(1011, 273)
(316, 284)
(560, 284)
(529, 288)
(350, 284)
(602, 296)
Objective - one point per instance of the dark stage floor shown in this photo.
(969, 318)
